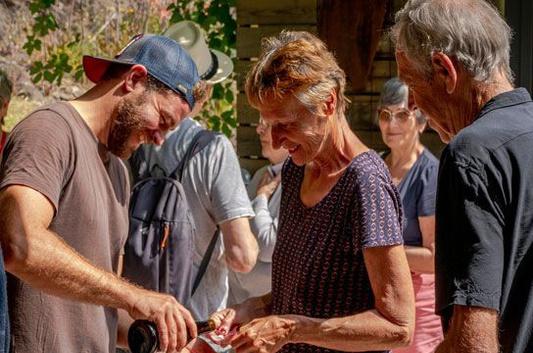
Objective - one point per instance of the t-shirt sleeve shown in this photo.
(228, 196)
(378, 211)
(469, 242)
(37, 155)
(425, 204)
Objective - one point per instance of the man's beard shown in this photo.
(129, 120)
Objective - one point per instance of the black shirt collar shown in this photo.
(516, 96)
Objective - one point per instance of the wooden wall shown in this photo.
(260, 18)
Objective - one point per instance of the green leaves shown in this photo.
(44, 24)
(32, 44)
(57, 61)
(57, 64)
(55, 49)
(52, 70)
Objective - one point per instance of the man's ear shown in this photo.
(137, 74)
(444, 70)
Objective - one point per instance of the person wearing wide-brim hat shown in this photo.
(213, 65)
(211, 180)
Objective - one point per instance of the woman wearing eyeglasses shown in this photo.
(414, 171)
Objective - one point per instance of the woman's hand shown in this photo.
(240, 314)
(268, 184)
(264, 335)
(225, 319)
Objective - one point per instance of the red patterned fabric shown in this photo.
(318, 268)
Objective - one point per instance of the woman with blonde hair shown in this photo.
(340, 277)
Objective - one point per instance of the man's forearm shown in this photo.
(49, 264)
(472, 330)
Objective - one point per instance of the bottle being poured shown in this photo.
(143, 338)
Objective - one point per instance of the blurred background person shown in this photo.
(6, 88)
(414, 171)
(265, 192)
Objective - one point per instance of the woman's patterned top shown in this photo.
(318, 268)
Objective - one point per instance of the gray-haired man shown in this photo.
(454, 55)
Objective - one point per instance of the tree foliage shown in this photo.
(55, 43)
(218, 19)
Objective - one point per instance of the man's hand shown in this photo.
(172, 319)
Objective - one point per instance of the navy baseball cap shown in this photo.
(164, 59)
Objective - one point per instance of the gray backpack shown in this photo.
(158, 253)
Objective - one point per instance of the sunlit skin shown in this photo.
(295, 129)
(424, 93)
(399, 134)
(450, 98)
(321, 141)
(161, 111)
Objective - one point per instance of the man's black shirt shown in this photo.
(484, 215)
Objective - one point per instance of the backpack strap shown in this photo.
(199, 141)
(205, 261)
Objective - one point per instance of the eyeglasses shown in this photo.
(401, 116)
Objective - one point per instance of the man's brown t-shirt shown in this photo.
(54, 152)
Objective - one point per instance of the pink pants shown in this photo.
(428, 331)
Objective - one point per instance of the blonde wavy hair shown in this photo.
(296, 64)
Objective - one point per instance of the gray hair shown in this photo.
(472, 31)
(394, 92)
(6, 87)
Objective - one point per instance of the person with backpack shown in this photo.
(213, 188)
(63, 203)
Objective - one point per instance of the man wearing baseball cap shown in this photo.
(64, 196)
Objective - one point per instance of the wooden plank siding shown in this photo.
(276, 12)
(262, 18)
